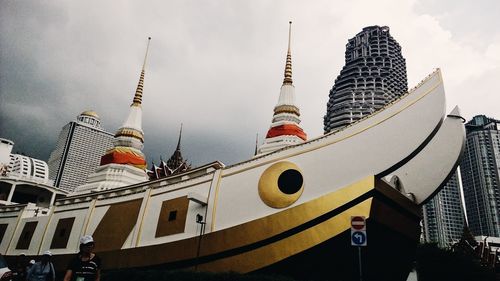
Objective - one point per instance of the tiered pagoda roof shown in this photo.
(174, 165)
(285, 129)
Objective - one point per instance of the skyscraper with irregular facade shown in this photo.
(480, 169)
(123, 164)
(374, 74)
(78, 151)
(284, 129)
(443, 217)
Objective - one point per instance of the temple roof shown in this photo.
(174, 165)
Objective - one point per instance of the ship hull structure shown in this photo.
(286, 212)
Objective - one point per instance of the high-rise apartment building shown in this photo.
(480, 169)
(21, 166)
(443, 217)
(78, 151)
(374, 74)
(27, 167)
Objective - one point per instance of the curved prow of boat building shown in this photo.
(287, 211)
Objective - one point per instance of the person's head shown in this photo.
(46, 256)
(22, 258)
(86, 244)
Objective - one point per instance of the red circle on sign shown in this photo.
(357, 223)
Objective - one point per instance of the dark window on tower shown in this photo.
(3, 228)
(172, 218)
(172, 215)
(27, 233)
(62, 233)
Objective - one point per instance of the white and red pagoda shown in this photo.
(285, 129)
(124, 164)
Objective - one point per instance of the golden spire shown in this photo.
(138, 92)
(288, 66)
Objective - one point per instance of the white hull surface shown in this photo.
(270, 202)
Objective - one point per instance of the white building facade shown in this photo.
(78, 151)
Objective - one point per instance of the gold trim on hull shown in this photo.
(263, 242)
(229, 242)
(272, 253)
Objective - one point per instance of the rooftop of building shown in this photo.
(90, 113)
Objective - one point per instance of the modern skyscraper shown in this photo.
(480, 169)
(284, 129)
(124, 163)
(78, 151)
(374, 74)
(443, 217)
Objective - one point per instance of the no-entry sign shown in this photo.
(358, 223)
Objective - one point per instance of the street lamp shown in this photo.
(199, 220)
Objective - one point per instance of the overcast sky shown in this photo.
(217, 66)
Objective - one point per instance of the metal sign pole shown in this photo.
(358, 238)
(360, 268)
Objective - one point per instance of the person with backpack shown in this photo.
(42, 270)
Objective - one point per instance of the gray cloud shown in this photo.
(215, 66)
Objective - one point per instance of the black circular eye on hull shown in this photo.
(290, 181)
(281, 184)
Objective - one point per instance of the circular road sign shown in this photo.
(358, 222)
(358, 238)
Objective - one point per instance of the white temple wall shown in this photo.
(80, 215)
(199, 186)
(36, 241)
(10, 219)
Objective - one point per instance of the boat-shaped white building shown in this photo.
(286, 211)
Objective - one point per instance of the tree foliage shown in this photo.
(436, 264)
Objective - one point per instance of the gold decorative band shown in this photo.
(287, 109)
(127, 132)
(277, 251)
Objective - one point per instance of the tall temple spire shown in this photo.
(284, 129)
(129, 138)
(288, 65)
(124, 164)
(179, 141)
(138, 92)
(256, 144)
(174, 165)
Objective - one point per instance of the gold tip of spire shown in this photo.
(288, 66)
(138, 92)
